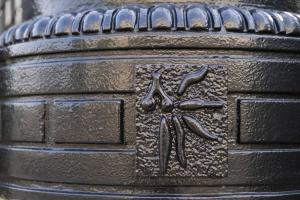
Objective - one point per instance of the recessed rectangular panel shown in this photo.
(259, 76)
(269, 121)
(81, 121)
(68, 77)
(62, 165)
(23, 121)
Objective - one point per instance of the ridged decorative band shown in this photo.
(161, 17)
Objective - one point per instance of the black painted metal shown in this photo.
(150, 100)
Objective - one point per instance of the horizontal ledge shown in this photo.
(153, 40)
(70, 166)
(116, 167)
(251, 151)
(133, 151)
(65, 149)
(14, 191)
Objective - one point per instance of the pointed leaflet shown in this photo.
(195, 126)
(197, 103)
(165, 145)
(180, 141)
(191, 78)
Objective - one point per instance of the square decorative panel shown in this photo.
(181, 120)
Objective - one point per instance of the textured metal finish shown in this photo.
(206, 129)
(269, 121)
(151, 100)
(86, 121)
(23, 121)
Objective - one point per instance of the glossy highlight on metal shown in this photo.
(144, 99)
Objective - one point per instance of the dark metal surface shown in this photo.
(151, 100)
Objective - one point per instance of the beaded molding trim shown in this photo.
(162, 17)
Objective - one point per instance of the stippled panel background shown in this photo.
(205, 158)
